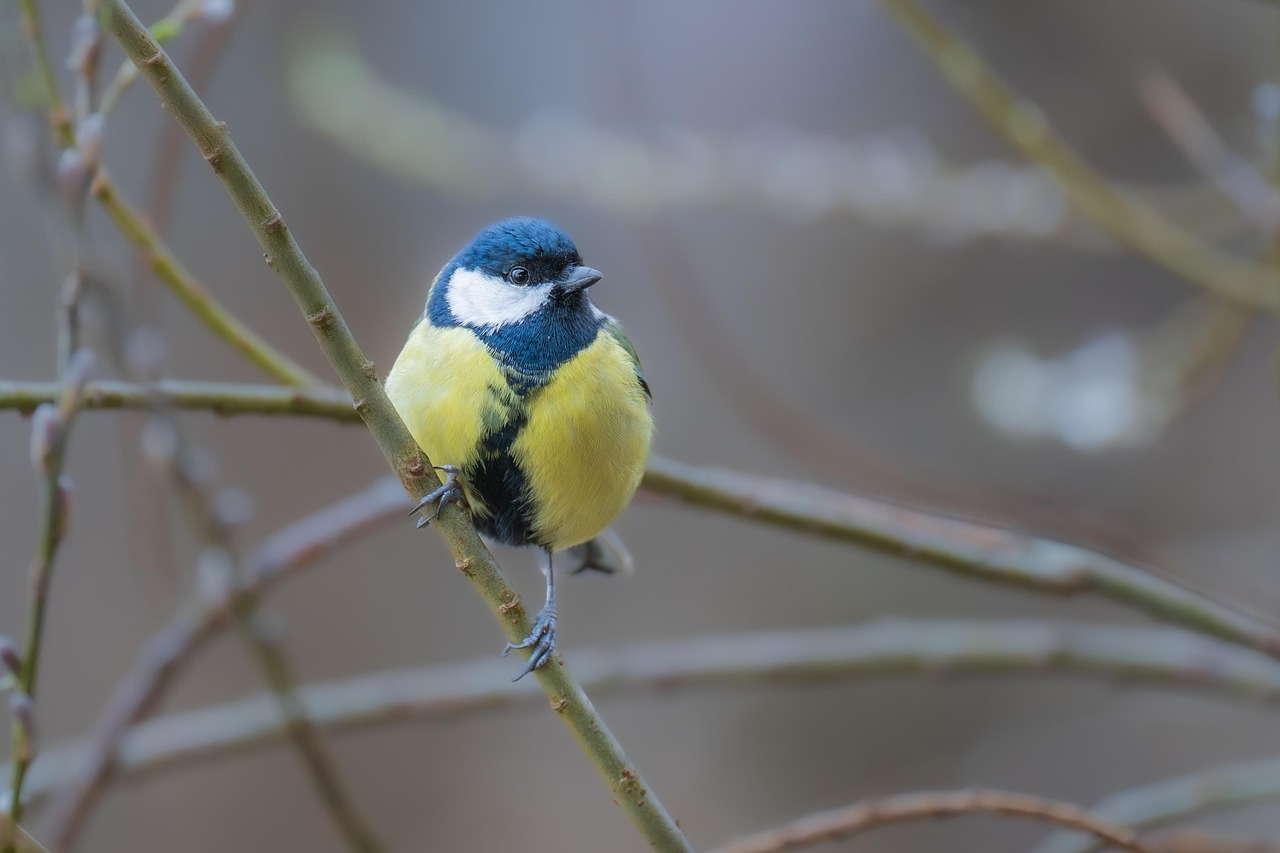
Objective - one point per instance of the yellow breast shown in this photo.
(585, 437)
(584, 447)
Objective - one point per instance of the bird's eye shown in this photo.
(518, 275)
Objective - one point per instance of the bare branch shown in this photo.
(224, 398)
(1139, 656)
(360, 376)
(872, 814)
(200, 620)
(1024, 126)
(973, 549)
(1177, 799)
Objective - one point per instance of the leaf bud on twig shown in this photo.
(46, 432)
(9, 658)
(23, 709)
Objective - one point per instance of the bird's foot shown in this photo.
(450, 491)
(542, 641)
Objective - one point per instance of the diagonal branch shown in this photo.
(198, 622)
(1176, 799)
(968, 548)
(219, 566)
(872, 814)
(1128, 220)
(182, 284)
(360, 377)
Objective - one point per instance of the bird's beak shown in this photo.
(580, 278)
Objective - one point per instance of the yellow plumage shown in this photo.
(585, 438)
(532, 397)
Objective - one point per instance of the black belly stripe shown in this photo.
(500, 483)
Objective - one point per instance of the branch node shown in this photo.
(274, 224)
(321, 320)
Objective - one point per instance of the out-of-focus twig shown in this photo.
(972, 549)
(166, 29)
(631, 792)
(871, 814)
(1177, 799)
(52, 423)
(50, 427)
(1159, 657)
(1130, 221)
(220, 572)
(896, 180)
(203, 304)
(59, 115)
(201, 619)
(1187, 352)
(153, 249)
(969, 548)
(27, 844)
(1192, 841)
(224, 398)
(1234, 176)
(1190, 351)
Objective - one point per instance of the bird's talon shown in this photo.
(542, 639)
(450, 491)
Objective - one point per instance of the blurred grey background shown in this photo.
(873, 329)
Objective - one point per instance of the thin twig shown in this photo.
(1233, 175)
(50, 429)
(198, 622)
(977, 550)
(360, 376)
(1193, 841)
(27, 844)
(1156, 657)
(59, 114)
(224, 398)
(164, 30)
(1024, 126)
(407, 134)
(182, 284)
(1177, 799)
(968, 548)
(152, 248)
(219, 568)
(872, 814)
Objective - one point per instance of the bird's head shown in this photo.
(512, 271)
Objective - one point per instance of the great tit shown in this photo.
(529, 398)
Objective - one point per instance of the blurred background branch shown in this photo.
(981, 551)
(870, 814)
(283, 254)
(202, 618)
(884, 648)
(1113, 393)
(892, 181)
(1176, 799)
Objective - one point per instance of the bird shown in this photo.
(530, 400)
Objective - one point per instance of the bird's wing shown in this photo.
(616, 330)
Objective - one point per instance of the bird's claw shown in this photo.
(450, 491)
(542, 641)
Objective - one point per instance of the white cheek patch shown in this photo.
(477, 299)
